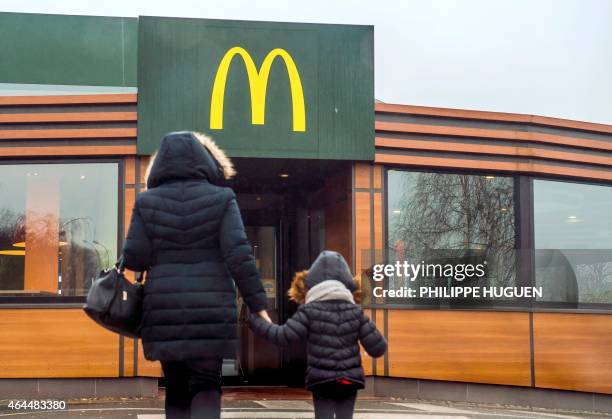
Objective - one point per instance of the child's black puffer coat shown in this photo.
(331, 327)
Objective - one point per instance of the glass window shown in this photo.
(58, 227)
(573, 241)
(458, 219)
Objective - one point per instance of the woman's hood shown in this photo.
(330, 265)
(188, 155)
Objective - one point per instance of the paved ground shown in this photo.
(250, 404)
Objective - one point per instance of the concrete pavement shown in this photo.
(266, 404)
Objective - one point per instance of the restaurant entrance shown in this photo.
(286, 227)
(284, 238)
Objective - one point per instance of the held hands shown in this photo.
(264, 315)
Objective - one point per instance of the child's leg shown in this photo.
(324, 407)
(346, 406)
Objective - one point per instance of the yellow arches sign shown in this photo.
(258, 84)
(268, 90)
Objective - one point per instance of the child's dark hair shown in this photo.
(297, 291)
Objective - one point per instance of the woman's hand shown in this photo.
(264, 315)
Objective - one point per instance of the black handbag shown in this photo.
(115, 303)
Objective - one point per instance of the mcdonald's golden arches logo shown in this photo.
(258, 84)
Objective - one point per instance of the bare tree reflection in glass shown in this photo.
(464, 213)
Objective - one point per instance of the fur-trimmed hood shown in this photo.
(188, 155)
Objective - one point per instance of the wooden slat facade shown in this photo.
(69, 125)
(490, 116)
(492, 141)
(566, 351)
(569, 350)
(52, 343)
(134, 361)
(64, 342)
(486, 347)
(96, 99)
(572, 351)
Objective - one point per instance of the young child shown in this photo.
(332, 324)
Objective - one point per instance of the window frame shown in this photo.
(558, 305)
(69, 301)
(524, 244)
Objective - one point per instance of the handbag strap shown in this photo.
(120, 267)
(120, 264)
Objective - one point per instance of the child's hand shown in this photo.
(264, 315)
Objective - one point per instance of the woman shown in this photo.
(187, 233)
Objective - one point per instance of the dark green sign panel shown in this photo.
(72, 50)
(259, 89)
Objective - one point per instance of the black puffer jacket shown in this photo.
(188, 233)
(332, 328)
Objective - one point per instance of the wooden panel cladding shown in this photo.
(573, 351)
(361, 227)
(491, 116)
(129, 170)
(76, 150)
(366, 360)
(53, 343)
(495, 141)
(368, 222)
(369, 219)
(100, 99)
(522, 136)
(468, 346)
(378, 176)
(338, 228)
(378, 225)
(67, 133)
(129, 198)
(20, 118)
(529, 167)
(362, 175)
(135, 167)
(147, 368)
(128, 357)
(68, 125)
(526, 151)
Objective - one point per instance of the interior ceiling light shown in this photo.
(490, 177)
(22, 244)
(12, 252)
(284, 175)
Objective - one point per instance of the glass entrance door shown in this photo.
(258, 361)
(286, 235)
